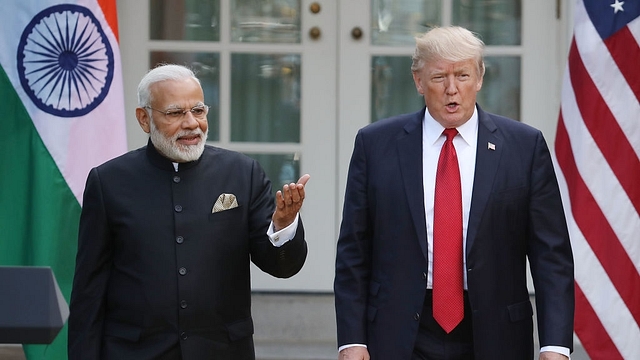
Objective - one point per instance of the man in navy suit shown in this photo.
(166, 236)
(510, 210)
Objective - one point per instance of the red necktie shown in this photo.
(448, 305)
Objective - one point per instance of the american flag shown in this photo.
(597, 151)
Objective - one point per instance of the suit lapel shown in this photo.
(488, 153)
(410, 155)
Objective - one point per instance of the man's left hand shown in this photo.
(550, 355)
(288, 203)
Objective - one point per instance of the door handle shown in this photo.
(356, 33)
(315, 33)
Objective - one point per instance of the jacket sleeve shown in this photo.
(550, 254)
(353, 256)
(93, 266)
(286, 260)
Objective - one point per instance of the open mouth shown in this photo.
(452, 106)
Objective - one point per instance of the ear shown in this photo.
(416, 80)
(479, 84)
(143, 119)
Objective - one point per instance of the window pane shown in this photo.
(272, 21)
(184, 20)
(497, 21)
(280, 168)
(397, 22)
(265, 98)
(392, 89)
(206, 66)
(500, 92)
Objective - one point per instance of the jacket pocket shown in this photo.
(240, 329)
(122, 330)
(520, 311)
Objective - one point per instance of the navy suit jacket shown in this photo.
(516, 213)
(158, 274)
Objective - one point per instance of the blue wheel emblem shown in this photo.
(65, 61)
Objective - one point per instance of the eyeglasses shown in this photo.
(199, 112)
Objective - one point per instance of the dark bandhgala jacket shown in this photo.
(516, 213)
(161, 276)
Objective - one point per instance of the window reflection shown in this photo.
(397, 22)
(184, 20)
(280, 168)
(500, 92)
(498, 21)
(207, 69)
(265, 98)
(272, 21)
(393, 91)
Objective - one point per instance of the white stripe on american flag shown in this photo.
(615, 203)
(607, 77)
(597, 287)
(597, 151)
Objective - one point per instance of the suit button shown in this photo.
(178, 208)
(183, 304)
(182, 271)
(179, 239)
(176, 179)
(183, 336)
(424, 276)
(416, 317)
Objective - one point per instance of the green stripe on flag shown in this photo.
(39, 214)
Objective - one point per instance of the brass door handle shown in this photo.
(314, 8)
(315, 33)
(356, 33)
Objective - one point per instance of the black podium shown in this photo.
(32, 308)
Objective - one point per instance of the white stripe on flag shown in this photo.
(595, 171)
(605, 74)
(597, 287)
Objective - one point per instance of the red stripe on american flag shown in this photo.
(626, 53)
(604, 128)
(594, 337)
(595, 227)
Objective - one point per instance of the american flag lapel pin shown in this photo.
(491, 146)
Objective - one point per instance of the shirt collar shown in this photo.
(433, 130)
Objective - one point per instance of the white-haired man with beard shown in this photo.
(166, 235)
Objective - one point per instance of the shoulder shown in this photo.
(507, 126)
(132, 158)
(225, 156)
(392, 127)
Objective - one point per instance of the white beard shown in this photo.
(174, 151)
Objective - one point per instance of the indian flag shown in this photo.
(61, 113)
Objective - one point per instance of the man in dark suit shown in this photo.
(166, 235)
(401, 234)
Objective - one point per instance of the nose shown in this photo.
(451, 87)
(189, 121)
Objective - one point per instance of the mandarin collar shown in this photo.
(161, 162)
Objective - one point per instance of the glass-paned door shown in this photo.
(377, 40)
(290, 82)
(268, 71)
(523, 60)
